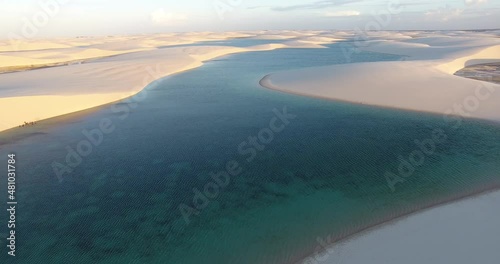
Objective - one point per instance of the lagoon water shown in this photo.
(321, 178)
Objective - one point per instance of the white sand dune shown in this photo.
(464, 232)
(41, 52)
(117, 67)
(423, 83)
(271, 37)
(310, 42)
(40, 58)
(125, 66)
(10, 46)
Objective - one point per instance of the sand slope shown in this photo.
(461, 233)
(124, 66)
(425, 82)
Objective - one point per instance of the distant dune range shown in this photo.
(48, 78)
(425, 81)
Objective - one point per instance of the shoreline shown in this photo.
(110, 79)
(17, 133)
(267, 84)
(391, 220)
(423, 85)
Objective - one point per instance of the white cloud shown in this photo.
(346, 13)
(444, 14)
(475, 2)
(160, 17)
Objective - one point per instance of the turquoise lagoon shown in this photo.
(322, 177)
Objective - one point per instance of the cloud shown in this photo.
(475, 2)
(346, 13)
(444, 14)
(316, 5)
(160, 17)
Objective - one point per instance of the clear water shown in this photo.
(322, 176)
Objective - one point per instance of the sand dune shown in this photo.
(31, 108)
(460, 233)
(47, 57)
(424, 83)
(125, 66)
(491, 54)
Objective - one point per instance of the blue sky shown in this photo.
(104, 17)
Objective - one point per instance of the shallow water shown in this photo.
(322, 175)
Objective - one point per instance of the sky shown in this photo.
(49, 18)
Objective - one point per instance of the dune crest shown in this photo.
(423, 82)
(70, 75)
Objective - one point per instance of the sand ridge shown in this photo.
(89, 72)
(424, 81)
